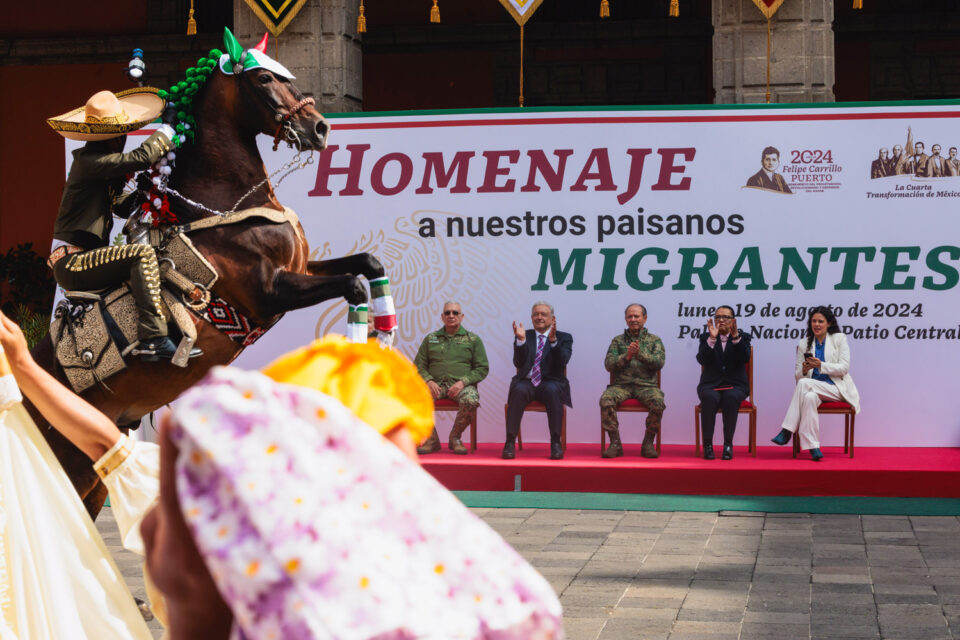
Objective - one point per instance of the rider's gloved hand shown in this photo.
(169, 118)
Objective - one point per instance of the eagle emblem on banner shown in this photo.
(767, 7)
(521, 10)
(276, 14)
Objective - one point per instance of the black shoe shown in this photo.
(727, 452)
(556, 451)
(708, 452)
(816, 454)
(158, 348)
(509, 451)
(782, 438)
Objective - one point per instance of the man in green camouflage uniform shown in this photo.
(634, 358)
(452, 361)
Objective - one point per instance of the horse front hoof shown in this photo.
(356, 292)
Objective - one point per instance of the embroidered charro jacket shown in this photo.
(96, 179)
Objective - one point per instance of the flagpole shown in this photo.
(768, 59)
(521, 65)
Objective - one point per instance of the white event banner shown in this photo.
(767, 209)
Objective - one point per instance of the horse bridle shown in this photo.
(284, 127)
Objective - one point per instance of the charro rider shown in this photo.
(81, 258)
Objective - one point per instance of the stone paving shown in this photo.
(738, 575)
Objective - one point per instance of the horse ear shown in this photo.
(262, 45)
(232, 46)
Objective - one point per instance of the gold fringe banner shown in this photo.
(276, 15)
(858, 4)
(604, 8)
(361, 20)
(521, 10)
(768, 7)
(674, 8)
(435, 12)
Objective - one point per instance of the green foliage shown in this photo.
(29, 281)
(28, 293)
(33, 324)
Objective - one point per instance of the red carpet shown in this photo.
(875, 471)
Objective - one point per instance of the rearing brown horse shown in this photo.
(263, 267)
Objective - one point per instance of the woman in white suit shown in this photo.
(823, 375)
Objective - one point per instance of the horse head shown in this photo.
(267, 100)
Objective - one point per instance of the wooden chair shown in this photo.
(627, 406)
(748, 406)
(538, 407)
(836, 409)
(446, 404)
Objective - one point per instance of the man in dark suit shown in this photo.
(768, 178)
(935, 163)
(540, 356)
(880, 168)
(724, 353)
(951, 168)
(917, 163)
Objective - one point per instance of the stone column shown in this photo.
(320, 46)
(801, 52)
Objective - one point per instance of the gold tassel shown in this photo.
(361, 20)
(191, 23)
(674, 8)
(604, 8)
(858, 4)
(435, 13)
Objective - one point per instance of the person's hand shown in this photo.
(552, 336)
(734, 332)
(806, 367)
(169, 114)
(713, 329)
(434, 389)
(518, 331)
(455, 390)
(13, 341)
(633, 350)
(814, 363)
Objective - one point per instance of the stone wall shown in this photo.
(320, 47)
(801, 54)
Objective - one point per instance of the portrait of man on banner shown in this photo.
(767, 178)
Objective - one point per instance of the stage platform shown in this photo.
(874, 471)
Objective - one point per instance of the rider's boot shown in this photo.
(163, 347)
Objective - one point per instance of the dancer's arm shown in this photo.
(79, 421)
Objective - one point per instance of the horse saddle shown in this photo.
(94, 331)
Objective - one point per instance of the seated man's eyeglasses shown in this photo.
(451, 312)
(720, 318)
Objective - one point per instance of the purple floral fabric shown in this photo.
(315, 526)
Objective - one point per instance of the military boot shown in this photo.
(615, 450)
(432, 444)
(459, 426)
(649, 447)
